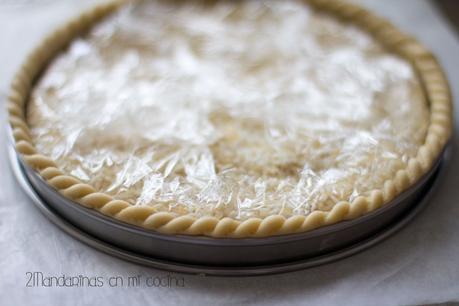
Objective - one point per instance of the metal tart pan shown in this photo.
(225, 256)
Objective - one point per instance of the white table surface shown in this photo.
(419, 265)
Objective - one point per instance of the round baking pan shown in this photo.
(225, 256)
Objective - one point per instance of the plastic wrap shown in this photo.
(240, 109)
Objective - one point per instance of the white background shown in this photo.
(419, 265)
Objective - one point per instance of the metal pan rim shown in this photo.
(231, 242)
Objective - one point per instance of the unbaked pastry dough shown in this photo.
(239, 109)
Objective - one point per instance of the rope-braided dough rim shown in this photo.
(430, 74)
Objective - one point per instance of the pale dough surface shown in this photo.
(240, 110)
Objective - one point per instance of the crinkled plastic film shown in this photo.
(239, 109)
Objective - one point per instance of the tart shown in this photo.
(230, 118)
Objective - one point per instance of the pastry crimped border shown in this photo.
(429, 71)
